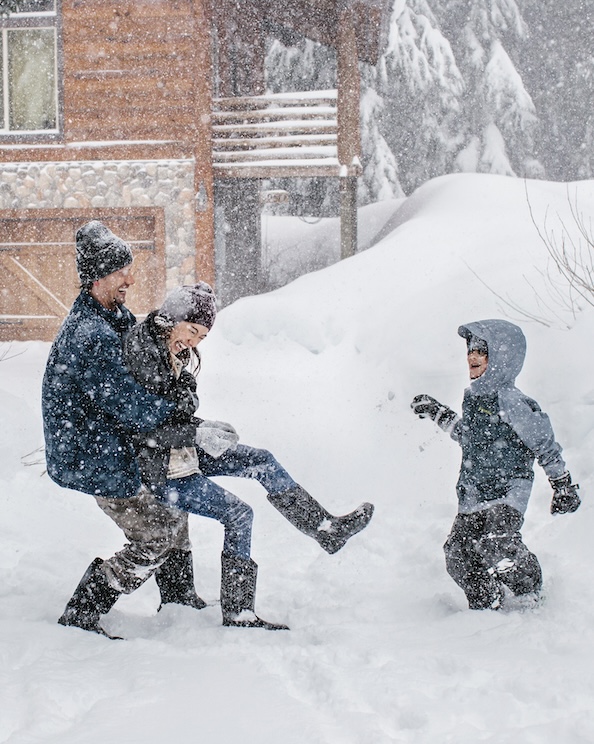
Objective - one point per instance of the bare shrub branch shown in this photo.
(573, 257)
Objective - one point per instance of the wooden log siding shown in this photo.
(277, 135)
(134, 71)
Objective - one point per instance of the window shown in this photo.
(28, 84)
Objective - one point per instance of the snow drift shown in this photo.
(381, 648)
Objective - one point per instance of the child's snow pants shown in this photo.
(485, 551)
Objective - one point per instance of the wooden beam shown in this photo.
(115, 150)
(322, 97)
(274, 114)
(348, 216)
(270, 129)
(349, 134)
(204, 255)
(349, 92)
(256, 141)
(290, 154)
(278, 169)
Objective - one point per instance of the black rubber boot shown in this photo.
(305, 513)
(175, 579)
(238, 594)
(92, 598)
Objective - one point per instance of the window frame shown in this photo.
(40, 20)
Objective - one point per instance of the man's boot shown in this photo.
(175, 579)
(305, 513)
(238, 594)
(92, 598)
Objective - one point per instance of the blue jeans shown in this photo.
(200, 495)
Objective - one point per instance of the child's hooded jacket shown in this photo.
(501, 431)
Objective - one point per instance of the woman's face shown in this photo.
(186, 335)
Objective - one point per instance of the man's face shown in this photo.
(110, 291)
(477, 363)
(186, 335)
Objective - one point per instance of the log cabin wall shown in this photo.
(130, 70)
(134, 85)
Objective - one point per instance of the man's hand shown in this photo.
(427, 407)
(565, 498)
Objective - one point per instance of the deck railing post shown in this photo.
(348, 215)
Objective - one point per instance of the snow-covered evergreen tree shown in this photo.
(380, 169)
(498, 117)
(495, 86)
(421, 86)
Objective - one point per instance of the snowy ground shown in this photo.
(381, 647)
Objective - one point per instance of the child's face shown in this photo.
(477, 363)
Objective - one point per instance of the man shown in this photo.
(91, 408)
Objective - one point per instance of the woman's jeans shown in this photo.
(200, 495)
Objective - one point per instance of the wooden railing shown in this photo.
(277, 135)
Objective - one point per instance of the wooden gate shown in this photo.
(38, 279)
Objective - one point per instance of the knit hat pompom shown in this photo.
(99, 252)
(191, 303)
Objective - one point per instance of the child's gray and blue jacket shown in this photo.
(501, 431)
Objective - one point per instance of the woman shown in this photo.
(178, 460)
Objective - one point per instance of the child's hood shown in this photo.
(507, 351)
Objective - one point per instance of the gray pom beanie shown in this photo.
(99, 252)
(191, 303)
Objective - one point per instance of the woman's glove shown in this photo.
(427, 407)
(219, 425)
(565, 498)
(216, 437)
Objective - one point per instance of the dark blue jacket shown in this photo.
(92, 405)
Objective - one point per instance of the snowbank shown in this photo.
(381, 648)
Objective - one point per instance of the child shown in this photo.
(501, 432)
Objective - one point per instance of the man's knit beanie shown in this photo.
(191, 303)
(99, 252)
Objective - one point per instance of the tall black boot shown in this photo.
(305, 513)
(175, 579)
(238, 594)
(92, 598)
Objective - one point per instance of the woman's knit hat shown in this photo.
(191, 303)
(99, 252)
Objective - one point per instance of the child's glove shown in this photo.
(427, 407)
(565, 498)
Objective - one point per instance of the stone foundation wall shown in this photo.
(103, 184)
